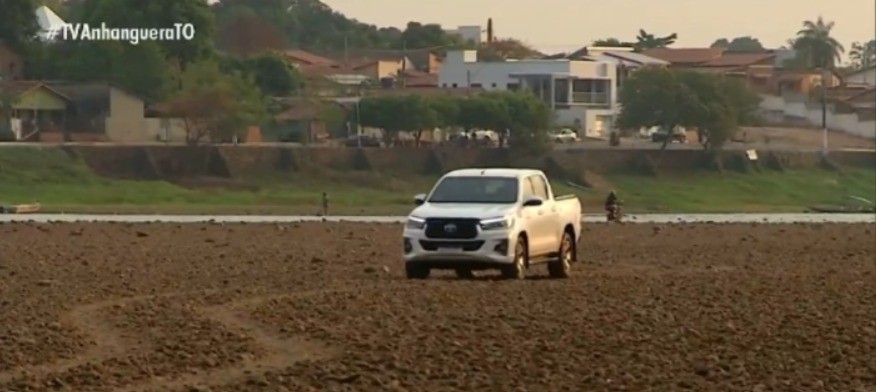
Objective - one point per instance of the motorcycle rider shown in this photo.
(611, 202)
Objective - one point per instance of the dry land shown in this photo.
(325, 307)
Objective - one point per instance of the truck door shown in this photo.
(537, 221)
(550, 218)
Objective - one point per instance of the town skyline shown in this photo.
(780, 19)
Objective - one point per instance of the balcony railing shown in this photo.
(590, 98)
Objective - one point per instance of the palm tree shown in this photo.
(863, 55)
(815, 44)
(647, 40)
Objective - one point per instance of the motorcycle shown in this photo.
(613, 213)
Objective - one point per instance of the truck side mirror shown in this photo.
(533, 201)
(419, 199)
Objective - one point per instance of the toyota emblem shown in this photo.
(450, 228)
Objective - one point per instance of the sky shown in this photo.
(563, 25)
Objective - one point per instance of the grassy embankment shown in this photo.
(61, 184)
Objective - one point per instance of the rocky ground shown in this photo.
(324, 307)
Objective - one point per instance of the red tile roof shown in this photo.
(308, 58)
(685, 56)
(738, 59)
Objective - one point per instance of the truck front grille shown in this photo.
(468, 246)
(451, 228)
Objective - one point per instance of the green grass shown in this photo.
(62, 184)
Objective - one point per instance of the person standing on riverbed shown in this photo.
(325, 204)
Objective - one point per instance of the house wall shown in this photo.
(795, 107)
(434, 64)
(867, 77)
(125, 121)
(11, 64)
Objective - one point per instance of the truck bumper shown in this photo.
(488, 250)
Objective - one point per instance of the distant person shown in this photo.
(611, 201)
(612, 207)
(325, 204)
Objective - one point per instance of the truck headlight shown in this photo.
(415, 223)
(497, 223)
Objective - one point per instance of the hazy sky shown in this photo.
(560, 25)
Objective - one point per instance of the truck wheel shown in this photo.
(464, 273)
(562, 266)
(414, 271)
(517, 270)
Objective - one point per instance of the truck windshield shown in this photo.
(497, 190)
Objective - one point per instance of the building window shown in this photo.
(494, 85)
(476, 85)
(454, 85)
(444, 85)
(512, 86)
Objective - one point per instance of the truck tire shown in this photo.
(517, 270)
(413, 271)
(562, 266)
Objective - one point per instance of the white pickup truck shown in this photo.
(477, 219)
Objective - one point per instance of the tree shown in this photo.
(446, 111)
(141, 69)
(483, 112)
(815, 45)
(418, 35)
(520, 112)
(157, 14)
(863, 55)
(503, 49)
(647, 40)
(396, 113)
(529, 120)
(310, 24)
(669, 98)
(215, 104)
(248, 35)
(273, 76)
(19, 23)
(613, 43)
(744, 44)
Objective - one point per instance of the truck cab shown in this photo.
(506, 219)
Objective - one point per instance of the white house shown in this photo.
(583, 94)
(866, 77)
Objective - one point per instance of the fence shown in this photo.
(798, 108)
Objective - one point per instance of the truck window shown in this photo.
(539, 186)
(498, 190)
(527, 188)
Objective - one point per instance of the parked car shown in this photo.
(506, 219)
(563, 136)
(366, 141)
(678, 135)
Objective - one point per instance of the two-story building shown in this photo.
(583, 94)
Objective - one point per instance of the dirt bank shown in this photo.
(324, 307)
(244, 161)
